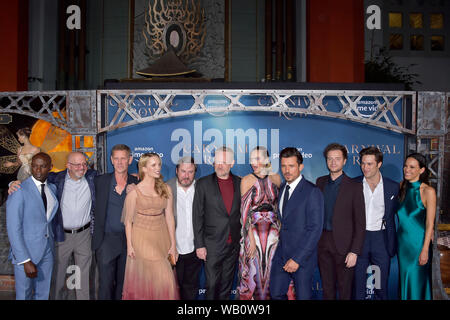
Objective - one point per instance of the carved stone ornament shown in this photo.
(179, 24)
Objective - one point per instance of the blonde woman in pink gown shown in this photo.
(150, 231)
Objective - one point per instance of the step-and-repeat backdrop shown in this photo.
(199, 135)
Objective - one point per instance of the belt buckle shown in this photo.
(73, 231)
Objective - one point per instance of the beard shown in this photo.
(185, 183)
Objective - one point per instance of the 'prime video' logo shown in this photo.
(367, 107)
(204, 142)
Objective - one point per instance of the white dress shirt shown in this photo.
(374, 202)
(50, 199)
(184, 233)
(292, 186)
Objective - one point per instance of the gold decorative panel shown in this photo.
(395, 19)
(437, 43)
(416, 20)
(395, 41)
(436, 21)
(416, 42)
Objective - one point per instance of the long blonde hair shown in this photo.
(160, 186)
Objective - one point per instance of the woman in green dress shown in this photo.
(416, 216)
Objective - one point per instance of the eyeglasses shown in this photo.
(78, 165)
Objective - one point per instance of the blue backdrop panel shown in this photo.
(200, 135)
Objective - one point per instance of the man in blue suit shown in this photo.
(380, 242)
(29, 212)
(301, 212)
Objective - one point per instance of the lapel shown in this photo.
(53, 195)
(103, 183)
(60, 179)
(281, 193)
(172, 183)
(235, 207)
(295, 198)
(218, 195)
(387, 200)
(130, 179)
(35, 195)
(109, 185)
(342, 190)
(89, 176)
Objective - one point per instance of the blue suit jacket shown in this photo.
(59, 179)
(391, 189)
(301, 224)
(27, 224)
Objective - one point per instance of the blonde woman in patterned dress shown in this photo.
(150, 232)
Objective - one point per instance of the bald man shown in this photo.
(72, 226)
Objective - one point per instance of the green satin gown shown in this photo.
(415, 280)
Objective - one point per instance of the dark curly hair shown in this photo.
(24, 132)
(422, 178)
(335, 146)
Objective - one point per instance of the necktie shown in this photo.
(44, 197)
(285, 198)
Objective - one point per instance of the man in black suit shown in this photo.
(216, 221)
(109, 240)
(380, 241)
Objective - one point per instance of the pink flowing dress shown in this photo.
(149, 276)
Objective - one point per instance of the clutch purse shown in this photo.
(171, 259)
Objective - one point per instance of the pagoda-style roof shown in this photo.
(168, 65)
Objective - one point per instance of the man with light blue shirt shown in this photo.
(29, 213)
(73, 225)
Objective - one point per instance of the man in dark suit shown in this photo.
(216, 221)
(380, 243)
(301, 217)
(188, 265)
(109, 240)
(344, 226)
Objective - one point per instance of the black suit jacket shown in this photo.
(349, 215)
(211, 221)
(390, 189)
(102, 189)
